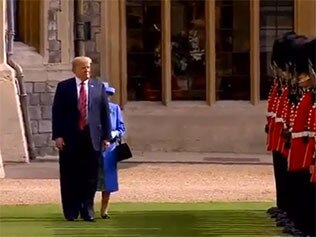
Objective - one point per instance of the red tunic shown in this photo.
(289, 108)
(311, 126)
(272, 102)
(296, 158)
(279, 122)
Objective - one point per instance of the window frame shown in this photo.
(210, 52)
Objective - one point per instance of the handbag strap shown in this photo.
(119, 140)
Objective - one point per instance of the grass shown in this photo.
(148, 220)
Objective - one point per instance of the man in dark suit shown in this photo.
(81, 129)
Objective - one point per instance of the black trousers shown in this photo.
(301, 199)
(78, 176)
(309, 226)
(280, 177)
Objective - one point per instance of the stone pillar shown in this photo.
(305, 18)
(12, 140)
(2, 173)
(92, 15)
(57, 31)
(43, 72)
(109, 42)
(2, 60)
(2, 32)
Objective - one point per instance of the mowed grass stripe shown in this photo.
(149, 220)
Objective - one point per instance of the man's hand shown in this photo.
(59, 143)
(105, 144)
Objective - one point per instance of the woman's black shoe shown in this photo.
(105, 216)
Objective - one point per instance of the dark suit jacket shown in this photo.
(65, 113)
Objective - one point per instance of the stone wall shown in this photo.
(41, 79)
(54, 44)
(40, 99)
(92, 14)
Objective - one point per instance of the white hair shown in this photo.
(80, 59)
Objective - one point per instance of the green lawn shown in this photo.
(148, 220)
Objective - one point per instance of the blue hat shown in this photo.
(110, 90)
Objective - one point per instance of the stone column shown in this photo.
(2, 60)
(2, 173)
(12, 140)
(305, 18)
(2, 32)
(109, 44)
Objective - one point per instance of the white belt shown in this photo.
(279, 120)
(270, 114)
(312, 134)
(300, 134)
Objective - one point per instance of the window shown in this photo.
(188, 80)
(210, 43)
(232, 50)
(143, 23)
(276, 18)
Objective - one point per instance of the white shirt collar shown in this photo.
(78, 81)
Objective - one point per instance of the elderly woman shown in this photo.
(108, 179)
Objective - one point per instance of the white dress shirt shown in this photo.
(86, 88)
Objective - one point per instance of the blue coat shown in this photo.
(117, 120)
(109, 156)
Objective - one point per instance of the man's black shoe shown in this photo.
(90, 219)
(272, 210)
(282, 222)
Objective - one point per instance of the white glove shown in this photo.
(114, 134)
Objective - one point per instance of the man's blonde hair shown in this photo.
(80, 59)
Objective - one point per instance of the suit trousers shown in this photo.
(78, 176)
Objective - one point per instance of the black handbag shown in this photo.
(123, 152)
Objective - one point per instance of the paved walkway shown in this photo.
(192, 157)
(47, 167)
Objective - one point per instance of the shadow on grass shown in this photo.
(147, 224)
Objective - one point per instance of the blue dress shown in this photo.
(108, 178)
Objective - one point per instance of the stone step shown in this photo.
(26, 56)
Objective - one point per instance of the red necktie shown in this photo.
(82, 107)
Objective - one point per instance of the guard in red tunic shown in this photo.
(298, 161)
(279, 92)
(310, 208)
(284, 146)
(272, 108)
(283, 136)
